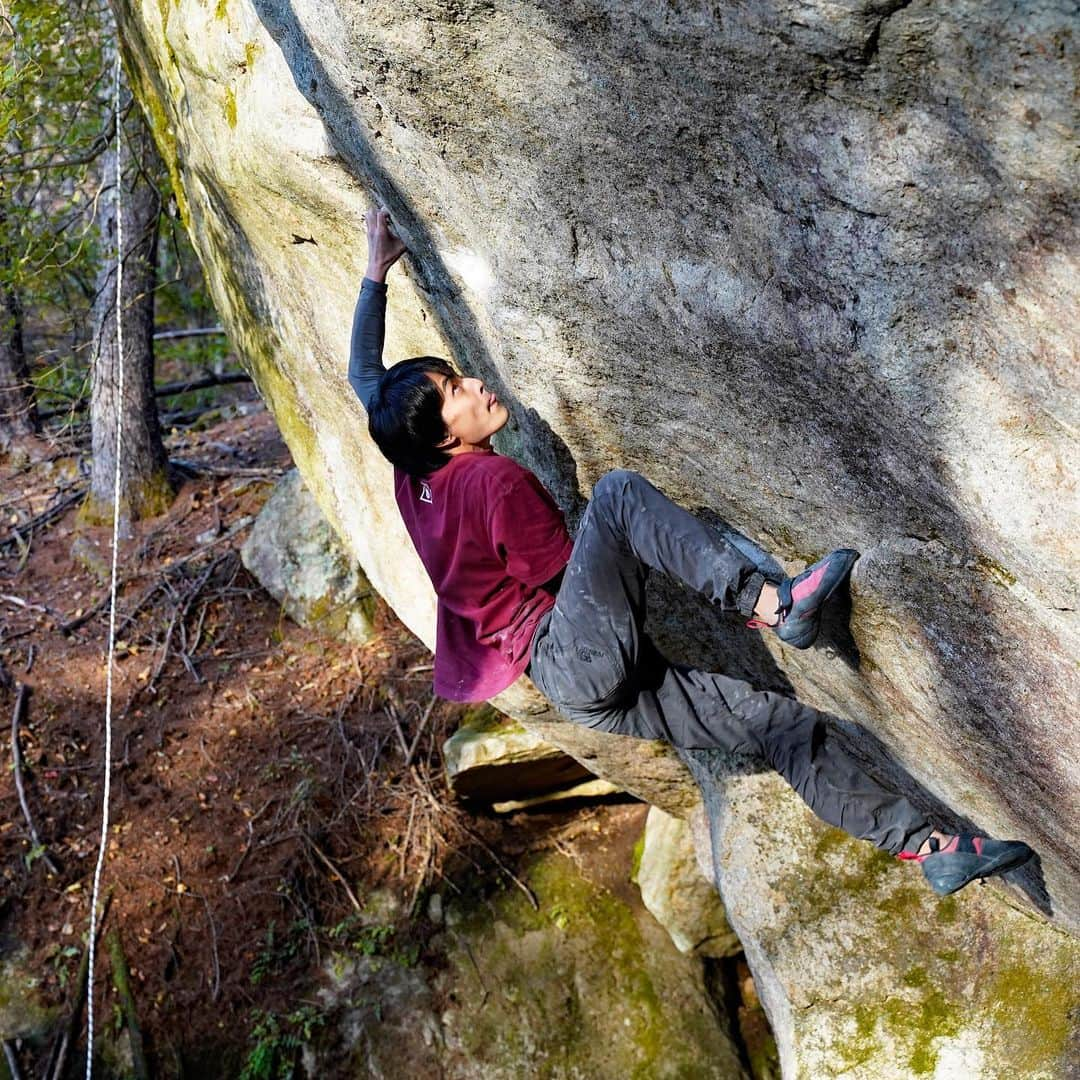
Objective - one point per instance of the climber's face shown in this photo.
(470, 410)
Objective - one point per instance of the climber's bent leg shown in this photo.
(697, 709)
(587, 648)
(593, 660)
(636, 519)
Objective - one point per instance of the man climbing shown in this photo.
(516, 595)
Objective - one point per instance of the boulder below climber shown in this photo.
(297, 557)
(583, 984)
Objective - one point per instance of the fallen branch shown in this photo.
(46, 516)
(122, 981)
(179, 615)
(420, 731)
(184, 386)
(236, 527)
(531, 896)
(199, 331)
(231, 877)
(244, 654)
(129, 617)
(215, 992)
(196, 467)
(408, 836)
(422, 876)
(163, 576)
(166, 390)
(16, 757)
(335, 871)
(27, 605)
(400, 731)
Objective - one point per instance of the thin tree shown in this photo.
(144, 485)
(18, 412)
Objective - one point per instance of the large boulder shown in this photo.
(808, 266)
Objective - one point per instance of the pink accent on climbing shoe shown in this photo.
(808, 585)
(952, 845)
(758, 624)
(977, 841)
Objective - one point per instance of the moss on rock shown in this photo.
(230, 107)
(23, 1014)
(581, 986)
(867, 973)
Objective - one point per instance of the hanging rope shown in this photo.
(103, 842)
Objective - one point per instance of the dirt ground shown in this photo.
(265, 780)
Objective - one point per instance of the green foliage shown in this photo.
(54, 117)
(366, 939)
(279, 949)
(56, 99)
(278, 1041)
(60, 961)
(374, 939)
(32, 856)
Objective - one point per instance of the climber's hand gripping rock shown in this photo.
(384, 247)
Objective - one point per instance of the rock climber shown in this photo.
(517, 595)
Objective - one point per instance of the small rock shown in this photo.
(493, 758)
(86, 552)
(587, 789)
(297, 557)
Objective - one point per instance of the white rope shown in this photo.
(103, 842)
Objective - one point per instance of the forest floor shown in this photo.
(265, 779)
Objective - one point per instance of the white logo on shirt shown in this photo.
(425, 492)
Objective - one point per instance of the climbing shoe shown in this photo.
(801, 598)
(965, 858)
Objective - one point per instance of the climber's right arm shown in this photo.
(368, 329)
(369, 318)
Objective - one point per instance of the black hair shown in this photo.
(405, 415)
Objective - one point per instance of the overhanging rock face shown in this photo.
(809, 267)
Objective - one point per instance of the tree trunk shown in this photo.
(144, 487)
(18, 412)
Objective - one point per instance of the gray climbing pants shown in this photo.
(592, 659)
